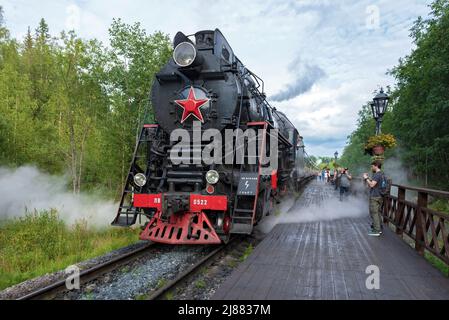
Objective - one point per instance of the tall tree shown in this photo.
(419, 106)
(72, 105)
(134, 58)
(421, 99)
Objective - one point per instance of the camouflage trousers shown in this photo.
(375, 205)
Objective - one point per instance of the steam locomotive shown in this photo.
(203, 96)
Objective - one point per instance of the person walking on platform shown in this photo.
(323, 173)
(345, 183)
(375, 199)
(337, 179)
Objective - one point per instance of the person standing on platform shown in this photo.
(375, 199)
(345, 183)
(337, 178)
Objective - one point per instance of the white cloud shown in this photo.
(268, 36)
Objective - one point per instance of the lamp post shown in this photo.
(336, 156)
(379, 108)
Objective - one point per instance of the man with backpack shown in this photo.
(344, 182)
(378, 185)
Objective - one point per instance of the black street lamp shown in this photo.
(379, 108)
(336, 156)
(373, 109)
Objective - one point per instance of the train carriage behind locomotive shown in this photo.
(192, 202)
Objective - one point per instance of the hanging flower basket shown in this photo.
(378, 150)
(376, 145)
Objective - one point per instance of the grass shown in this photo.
(437, 263)
(200, 284)
(41, 243)
(232, 263)
(161, 283)
(440, 205)
(141, 297)
(89, 296)
(169, 296)
(247, 252)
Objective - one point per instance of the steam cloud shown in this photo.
(328, 209)
(394, 169)
(28, 189)
(306, 76)
(397, 172)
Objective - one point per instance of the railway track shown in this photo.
(87, 275)
(184, 276)
(51, 291)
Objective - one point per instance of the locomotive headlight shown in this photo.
(140, 179)
(212, 177)
(184, 54)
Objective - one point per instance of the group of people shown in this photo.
(340, 178)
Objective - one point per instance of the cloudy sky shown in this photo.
(320, 59)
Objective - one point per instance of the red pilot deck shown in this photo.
(192, 227)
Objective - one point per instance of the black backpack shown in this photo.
(385, 185)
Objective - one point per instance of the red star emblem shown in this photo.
(191, 106)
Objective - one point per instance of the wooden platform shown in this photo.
(328, 260)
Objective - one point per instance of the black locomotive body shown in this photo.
(202, 171)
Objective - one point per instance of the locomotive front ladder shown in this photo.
(127, 213)
(245, 202)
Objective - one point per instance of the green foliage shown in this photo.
(421, 100)
(40, 243)
(247, 252)
(419, 107)
(437, 263)
(200, 284)
(73, 106)
(141, 297)
(161, 283)
(441, 205)
(169, 296)
(326, 163)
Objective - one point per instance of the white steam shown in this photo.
(397, 172)
(26, 189)
(394, 169)
(328, 209)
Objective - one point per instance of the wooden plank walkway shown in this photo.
(328, 260)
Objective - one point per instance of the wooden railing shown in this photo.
(408, 212)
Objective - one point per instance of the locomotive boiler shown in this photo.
(204, 169)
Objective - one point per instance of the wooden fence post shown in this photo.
(420, 223)
(400, 211)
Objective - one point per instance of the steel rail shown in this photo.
(88, 274)
(159, 293)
